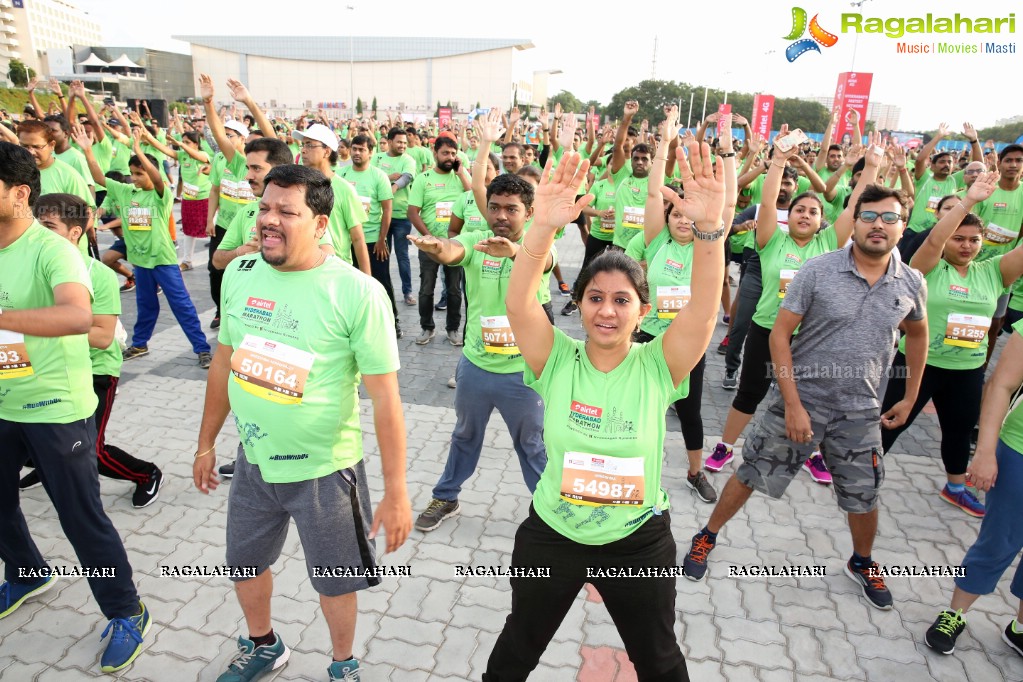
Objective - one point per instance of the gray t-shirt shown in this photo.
(847, 338)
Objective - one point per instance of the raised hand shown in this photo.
(899, 156)
(740, 120)
(55, 87)
(557, 111)
(81, 138)
(983, 187)
(238, 90)
(725, 142)
(943, 129)
(874, 152)
(704, 189)
(33, 83)
(136, 138)
(428, 244)
(555, 205)
(970, 132)
(854, 118)
(631, 108)
(566, 133)
(489, 129)
(515, 116)
(77, 88)
(669, 127)
(206, 90)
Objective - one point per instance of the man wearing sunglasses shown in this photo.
(849, 305)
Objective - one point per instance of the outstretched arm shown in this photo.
(241, 94)
(213, 121)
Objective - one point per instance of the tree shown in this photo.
(568, 102)
(598, 108)
(373, 107)
(19, 73)
(358, 106)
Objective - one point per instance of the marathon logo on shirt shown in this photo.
(959, 293)
(792, 260)
(586, 416)
(673, 267)
(491, 267)
(258, 309)
(1000, 206)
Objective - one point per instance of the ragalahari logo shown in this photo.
(817, 35)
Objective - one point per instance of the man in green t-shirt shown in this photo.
(489, 373)
(145, 208)
(66, 215)
(45, 404)
(400, 169)
(431, 199)
(300, 328)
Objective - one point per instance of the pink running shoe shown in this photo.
(721, 456)
(818, 469)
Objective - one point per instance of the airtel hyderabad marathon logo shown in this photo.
(817, 36)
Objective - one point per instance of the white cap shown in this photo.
(319, 133)
(238, 127)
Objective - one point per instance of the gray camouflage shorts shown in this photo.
(850, 442)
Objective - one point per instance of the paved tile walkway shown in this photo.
(433, 625)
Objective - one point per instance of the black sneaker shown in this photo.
(569, 308)
(704, 490)
(129, 285)
(435, 513)
(398, 333)
(441, 304)
(215, 324)
(695, 562)
(132, 352)
(723, 346)
(205, 360)
(943, 634)
(871, 584)
(226, 470)
(146, 493)
(29, 480)
(731, 381)
(1013, 639)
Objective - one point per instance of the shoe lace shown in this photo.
(873, 578)
(947, 622)
(817, 464)
(720, 452)
(241, 660)
(435, 506)
(701, 548)
(124, 629)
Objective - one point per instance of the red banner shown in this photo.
(595, 119)
(444, 116)
(852, 93)
(722, 110)
(763, 112)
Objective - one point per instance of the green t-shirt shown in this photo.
(235, 191)
(928, 193)
(489, 342)
(76, 160)
(103, 151)
(959, 312)
(106, 301)
(630, 206)
(1012, 427)
(435, 194)
(60, 178)
(397, 164)
(779, 262)
(120, 154)
(604, 433)
(834, 208)
(301, 341)
(346, 215)
(423, 157)
(243, 228)
(1002, 214)
(43, 380)
(466, 210)
(669, 269)
(960, 178)
(371, 187)
(603, 192)
(757, 187)
(145, 221)
(195, 185)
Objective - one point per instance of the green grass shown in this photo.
(15, 99)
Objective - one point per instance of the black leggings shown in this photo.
(688, 409)
(643, 609)
(757, 374)
(956, 395)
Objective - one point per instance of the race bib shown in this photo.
(189, 191)
(633, 216)
(366, 203)
(607, 225)
(932, 203)
(966, 331)
(595, 480)
(497, 335)
(784, 281)
(670, 300)
(443, 211)
(995, 235)
(140, 219)
(271, 370)
(237, 191)
(14, 362)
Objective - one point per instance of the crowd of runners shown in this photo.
(873, 280)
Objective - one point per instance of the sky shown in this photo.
(749, 57)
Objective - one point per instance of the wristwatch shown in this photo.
(709, 236)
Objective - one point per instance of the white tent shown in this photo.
(124, 63)
(93, 60)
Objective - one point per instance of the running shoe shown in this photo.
(695, 563)
(205, 360)
(132, 352)
(452, 383)
(29, 480)
(435, 513)
(563, 289)
(398, 333)
(1013, 638)
(965, 500)
(871, 584)
(410, 300)
(344, 671)
(125, 640)
(425, 337)
(731, 381)
(818, 469)
(704, 490)
(455, 337)
(726, 319)
(942, 635)
(129, 285)
(147, 492)
(185, 266)
(13, 595)
(226, 470)
(441, 304)
(569, 308)
(723, 346)
(252, 662)
(721, 456)
(215, 323)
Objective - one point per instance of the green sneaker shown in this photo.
(344, 671)
(125, 640)
(253, 661)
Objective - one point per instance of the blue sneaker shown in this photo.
(13, 595)
(253, 661)
(125, 640)
(344, 671)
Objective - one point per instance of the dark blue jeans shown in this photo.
(148, 304)
(401, 228)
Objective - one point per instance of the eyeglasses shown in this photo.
(888, 217)
(35, 147)
(313, 145)
(973, 172)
